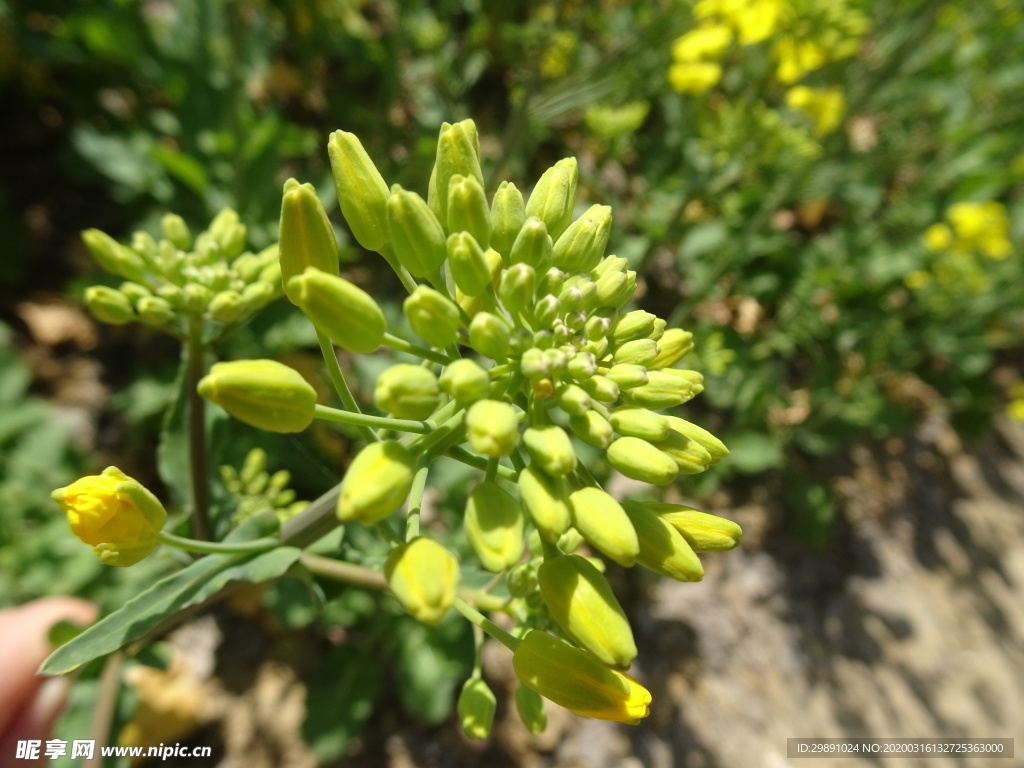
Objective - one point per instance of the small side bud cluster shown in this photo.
(529, 347)
(179, 281)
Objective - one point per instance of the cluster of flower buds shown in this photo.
(179, 283)
(257, 492)
(527, 345)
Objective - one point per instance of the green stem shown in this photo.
(408, 281)
(340, 385)
(492, 469)
(217, 547)
(415, 349)
(327, 413)
(359, 576)
(450, 429)
(486, 624)
(419, 484)
(471, 459)
(195, 361)
(585, 476)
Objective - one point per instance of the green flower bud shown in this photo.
(631, 326)
(614, 289)
(551, 449)
(582, 603)
(377, 482)
(530, 706)
(592, 428)
(197, 297)
(596, 328)
(229, 233)
(640, 460)
(407, 392)
(467, 209)
(145, 246)
(362, 191)
(476, 707)
(640, 422)
(522, 580)
(518, 288)
(492, 428)
(582, 366)
(689, 455)
(662, 548)
(465, 381)
(458, 154)
(154, 310)
(532, 246)
(597, 347)
(554, 197)
(494, 525)
(546, 501)
(262, 393)
(673, 346)
(658, 330)
(601, 388)
(109, 305)
(508, 212)
(134, 291)
(661, 391)
(489, 335)
(257, 295)
(546, 311)
(609, 265)
(578, 681)
(307, 237)
(416, 234)
(176, 231)
(552, 282)
(534, 364)
(581, 246)
(572, 540)
(572, 399)
(113, 256)
(468, 265)
(628, 375)
(715, 447)
(703, 532)
(604, 524)
(433, 317)
(638, 352)
(227, 307)
(346, 313)
(424, 577)
(694, 378)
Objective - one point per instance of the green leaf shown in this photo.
(190, 586)
(339, 698)
(431, 661)
(183, 167)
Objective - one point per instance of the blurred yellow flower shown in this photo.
(938, 237)
(753, 20)
(981, 226)
(115, 514)
(917, 279)
(824, 105)
(1015, 409)
(695, 77)
(797, 57)
(700, 44)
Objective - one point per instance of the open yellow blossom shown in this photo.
(115, 514)
(576, 680)
(981, 226)
(824, 105)
(701, 44)
(753, 20)
(694, 77)
(797, 57)
(938, 237)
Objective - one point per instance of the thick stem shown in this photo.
(340, 385)
(218, 548)
(486, 624)
(408, 281)
(402, 345)
(195, 354)
(327, 413)
(466, 457)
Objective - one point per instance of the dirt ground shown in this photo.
(909, 624)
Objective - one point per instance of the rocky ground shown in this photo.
(909, 624)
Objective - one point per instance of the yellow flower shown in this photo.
(938, 237)
(757, 21)
(576, 680)
(695, 77)
(115, 514)
(797, 57)
(917, 278)
(702, 43)
(981, 226)
(824, 105)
